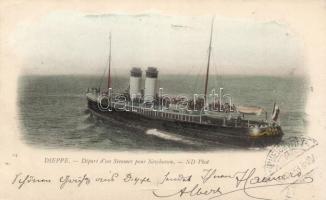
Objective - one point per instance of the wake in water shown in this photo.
(169, 136)
(85, 122)
(115, 134)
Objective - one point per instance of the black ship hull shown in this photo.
(233, 136)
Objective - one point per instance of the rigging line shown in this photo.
(216, 75)
(209, 56)
(189, 76)
(195, 76)
(215, 64)
(190, 72)
(214, 71)
(218, 72)
(107, 62)
(201, 79)
(198, 79)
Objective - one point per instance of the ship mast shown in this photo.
(209, 58)
(109, 74)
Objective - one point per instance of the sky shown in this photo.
(78, 43)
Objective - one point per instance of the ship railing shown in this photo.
(187, 117)
(176, 116)
(180, 116)
(236, 123)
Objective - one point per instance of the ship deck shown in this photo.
(214, 118)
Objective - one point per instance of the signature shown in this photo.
(245, 181)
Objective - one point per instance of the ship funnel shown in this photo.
(135, 82)
(150, 83)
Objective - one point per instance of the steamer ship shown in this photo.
(211, 117)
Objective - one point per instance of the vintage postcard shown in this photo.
(192, 100)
